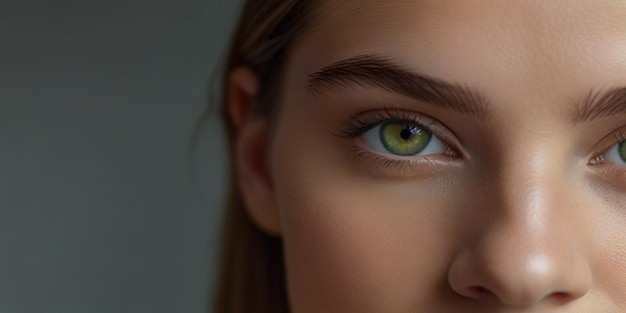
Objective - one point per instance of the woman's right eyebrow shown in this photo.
(373, 70)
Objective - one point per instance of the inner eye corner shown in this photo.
(596, 159)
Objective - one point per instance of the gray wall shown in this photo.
(97, 104)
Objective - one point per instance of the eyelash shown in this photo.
(362, 122)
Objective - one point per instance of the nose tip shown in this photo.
(517, 278)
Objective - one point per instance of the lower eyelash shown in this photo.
(618, 172)
(377, 162)
(384, 165)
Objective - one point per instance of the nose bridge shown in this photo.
(521, 255)
(533, 200)
(526, 190)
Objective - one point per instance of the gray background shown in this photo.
(98, 99)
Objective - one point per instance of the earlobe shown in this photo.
(251, 148)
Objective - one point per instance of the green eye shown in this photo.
(616, 154)
(403, 138)
(621, 148)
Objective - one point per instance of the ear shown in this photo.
(251, 148)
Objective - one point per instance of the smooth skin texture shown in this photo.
(520, 212)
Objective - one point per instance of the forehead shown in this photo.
(531, 27)
(507, 48)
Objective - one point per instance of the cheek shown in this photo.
(609, 255)
(352, 253)
(354, 243)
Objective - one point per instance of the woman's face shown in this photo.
(455, 156)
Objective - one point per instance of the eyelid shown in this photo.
(607, 143)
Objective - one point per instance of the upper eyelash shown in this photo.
(357, 125)
(620, 135)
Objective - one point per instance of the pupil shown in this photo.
(407, 132)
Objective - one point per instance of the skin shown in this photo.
(517, 220)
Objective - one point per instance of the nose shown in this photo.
(524, 252)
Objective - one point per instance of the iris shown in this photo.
(402, 138)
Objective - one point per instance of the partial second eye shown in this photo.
(403, 138)
(616, 154)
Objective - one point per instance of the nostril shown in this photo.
(479, 292)
(561, 297)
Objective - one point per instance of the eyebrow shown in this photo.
(372, 70)
(602, 104)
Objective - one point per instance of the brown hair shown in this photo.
(251, 270)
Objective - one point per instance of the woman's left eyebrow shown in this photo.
(372, 70)
(600, 104)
